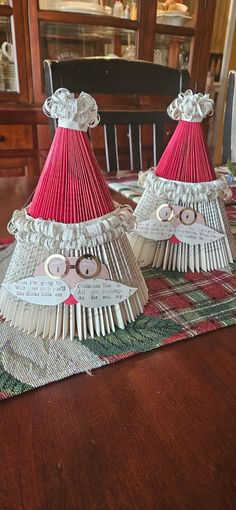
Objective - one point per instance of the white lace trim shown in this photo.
(186, 192)
(191, 107)
(79, 114)
(54, 235)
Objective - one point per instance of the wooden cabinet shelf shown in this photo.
(88, 19)
(6, 10)
(173, 30)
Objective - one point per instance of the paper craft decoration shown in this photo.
(181, 219)
(73, 272)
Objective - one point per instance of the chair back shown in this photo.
(134, 95)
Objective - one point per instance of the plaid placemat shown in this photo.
(180, 306)
(130, 188)
(231, 212)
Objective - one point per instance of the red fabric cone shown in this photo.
(71, 188)
(186, 157)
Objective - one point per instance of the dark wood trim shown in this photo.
(6, 10)
(19, 153)
(35, 51)
(147, 16)
(13, 97)
(87, 19)
(173, 30)
(28, 70)
(10, 114)
(200, 49)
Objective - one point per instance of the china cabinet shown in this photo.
(31, 31)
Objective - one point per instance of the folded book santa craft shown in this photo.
(72, 272)
(181, 218)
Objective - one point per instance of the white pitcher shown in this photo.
(7, 60)
(7, 51)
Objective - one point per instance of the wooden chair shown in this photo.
(229, 130)
(133, 96)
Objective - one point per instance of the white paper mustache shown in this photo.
(94, 293)
(190, 234)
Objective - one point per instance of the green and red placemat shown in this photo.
(180, 306)
(130, 188)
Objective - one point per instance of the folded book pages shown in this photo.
(181, 222)
(72, 272)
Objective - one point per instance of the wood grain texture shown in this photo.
(17, 166)
(155, 431)
(14, 192)
(201, 44)
(17, 136)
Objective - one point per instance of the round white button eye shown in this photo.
(88, 266)
(56, 266)
(165, 212)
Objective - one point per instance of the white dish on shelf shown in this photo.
(173, 18)
(85, 2)
(180, 8)
(83, 7)
(108, 10)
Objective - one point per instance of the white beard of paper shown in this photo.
(177, 224)
(70, 280)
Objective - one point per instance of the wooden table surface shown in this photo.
(153, 432)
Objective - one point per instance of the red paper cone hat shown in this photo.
(186, 157)
(71, 188)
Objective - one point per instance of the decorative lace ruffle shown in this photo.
(191, 107)
(186, 192)
(54, 235)
(79, 114)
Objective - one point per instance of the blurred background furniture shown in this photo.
(228, 62)
(62, 29)
(229, 130)
(135, 129)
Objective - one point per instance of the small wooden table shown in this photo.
(153, 432)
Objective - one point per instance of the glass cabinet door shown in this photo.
(67, 41)
(174, 33)
(85, 6)
(172, 50)
(118, 8)
(8, 68)
(174, 13)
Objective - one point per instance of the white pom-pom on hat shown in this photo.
(79, 114)
(191, 107)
